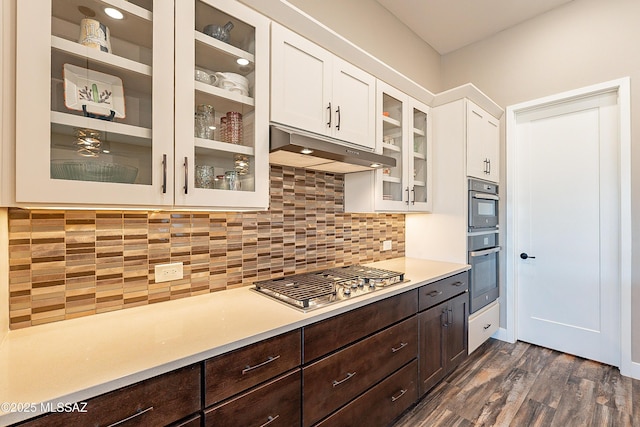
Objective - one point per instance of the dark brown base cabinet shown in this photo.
(443, 338)
(276, 403)
(364, 367)
(158, 401)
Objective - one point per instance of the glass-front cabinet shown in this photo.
(404, 134)
(141, 103)
(94, 95)
(221, 96)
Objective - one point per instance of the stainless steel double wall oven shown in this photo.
(483, 247)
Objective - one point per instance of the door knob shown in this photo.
(524, 255)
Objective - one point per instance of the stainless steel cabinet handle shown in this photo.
(434, 294)
(449, 316)
(487, 327)
(348, 377)
(413, 200)
(402, 345)
(137, 414)
(489, 163)
(485, 166)
(338, 118)
(402, 392)
(330, 113)
(164, 174)
(271, 419)
(186, 175)
(443, 318)
(407, 190)
(259, 365)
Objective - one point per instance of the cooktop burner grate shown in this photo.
(314, 290)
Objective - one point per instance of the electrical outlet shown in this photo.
(167, 272)
(386, 245)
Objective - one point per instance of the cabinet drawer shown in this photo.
(155, 402)
(333, 381)
(233, 372)
(442, 290)
(324, 337)
(482, 325)
(382, 404)
(276, 403)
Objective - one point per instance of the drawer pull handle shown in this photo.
(259, 365)
(402, 392)
(487, 327)
(457, 283)
(137, 414)
(402, 345)
(271, 419)
(434, 294)
(348, 377)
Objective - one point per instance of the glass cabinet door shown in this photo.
(391, 186)
(420, 158)
(93, 93)
(221, 115)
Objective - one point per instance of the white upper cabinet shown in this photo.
(94, 103)
(483, 144)
(314, 90)
(403, 129)
(221, 96)
(95, 98)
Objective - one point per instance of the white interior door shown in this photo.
(567, 222)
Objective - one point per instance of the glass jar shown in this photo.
(231, 180)
(204, 121)
(234, 127)
(241, 164)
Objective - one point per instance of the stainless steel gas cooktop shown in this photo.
(314, 290)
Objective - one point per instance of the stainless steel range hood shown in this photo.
(298, 148)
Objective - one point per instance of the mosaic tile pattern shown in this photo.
(67, 264)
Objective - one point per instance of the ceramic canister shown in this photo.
(95, 35)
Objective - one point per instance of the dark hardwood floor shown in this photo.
(520, 384)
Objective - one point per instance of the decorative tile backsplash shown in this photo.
(67, 264)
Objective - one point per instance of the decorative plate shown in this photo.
(100, 93)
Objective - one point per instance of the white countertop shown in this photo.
(74, 360)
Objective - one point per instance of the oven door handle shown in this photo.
(485, 196)
(484, 252)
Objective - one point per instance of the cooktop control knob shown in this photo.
(347, 291)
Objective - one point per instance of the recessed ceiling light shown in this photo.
(242, 61)
(306, 151)
(113, 13)
(375, 165)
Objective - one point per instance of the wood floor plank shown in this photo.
(501, 407)
(635, 399)
(552, 380)
(615, 391)
(535, 359)
(576, 406)
(533, 414)
(604, 416)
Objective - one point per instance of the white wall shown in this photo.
(371, 27)
(582, 43)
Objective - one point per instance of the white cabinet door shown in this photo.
(67, 156)
(403, 129)
(354, 102)
(420, 161)
(483, 144)
(300, 82)
(226, 167)
(314, 90)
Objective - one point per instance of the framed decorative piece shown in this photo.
(93, 92)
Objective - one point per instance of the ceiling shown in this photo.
(447, 25)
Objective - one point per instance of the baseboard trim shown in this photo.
(501, 334)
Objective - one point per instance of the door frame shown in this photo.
(623, 88)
